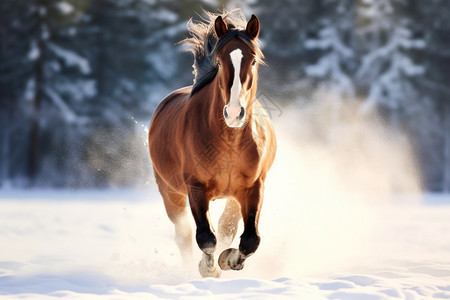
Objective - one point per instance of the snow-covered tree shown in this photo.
(431, 18)
(332, 45)
(61, 87)
(334, 79)
(387, 46)
(136, 62)
(284, 29)
(79, 79)
(12, 82)
(41, 77)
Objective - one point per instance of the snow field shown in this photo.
(70, 245)
(339, 222)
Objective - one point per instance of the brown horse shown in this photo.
(213, 140)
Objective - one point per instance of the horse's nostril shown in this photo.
(242, 114)
(225, 114)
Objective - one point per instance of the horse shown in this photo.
(214, 140)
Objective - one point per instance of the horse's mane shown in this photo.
(204, 44)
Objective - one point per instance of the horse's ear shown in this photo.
(220, 27)
(253, 27)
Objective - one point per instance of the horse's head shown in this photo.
(237, 62)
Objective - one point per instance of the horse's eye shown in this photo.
(254, 62)
(218, 63)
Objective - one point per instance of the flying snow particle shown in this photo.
(65, 8)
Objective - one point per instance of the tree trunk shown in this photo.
(4, 159)
(33, 159)
(446, 162)
(4, 110)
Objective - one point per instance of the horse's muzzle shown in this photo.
(234, 116)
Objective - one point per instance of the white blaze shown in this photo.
(234, 106)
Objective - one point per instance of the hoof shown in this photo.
(207, 270)
(231, 259)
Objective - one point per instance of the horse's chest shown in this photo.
(227, 170)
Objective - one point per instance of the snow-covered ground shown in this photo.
(340, 222)
(119, 244)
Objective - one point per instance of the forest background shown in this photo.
(80, 79)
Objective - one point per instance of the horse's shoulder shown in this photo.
(180, 94)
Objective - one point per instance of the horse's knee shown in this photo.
(249, 243)
(206, 241)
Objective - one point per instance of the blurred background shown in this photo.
(80, 79)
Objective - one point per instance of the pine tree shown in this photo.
(333, 68)
(13, 68)
(136, 62)
(39, 31)
(432, 123)
(387, 47)
(284, 28)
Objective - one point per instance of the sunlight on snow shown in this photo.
(327, 176)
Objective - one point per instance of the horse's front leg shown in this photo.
(251, 201)
(206, 239)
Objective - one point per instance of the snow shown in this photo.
(163, 63)
(401, 39)
(34, 52)
(29, 90)
(65, 8)
(71, 58)
(101, 244)
(332, 227)
(68, 114)
(330, 64)
(329, 38)
(165, 15)
(78, 89)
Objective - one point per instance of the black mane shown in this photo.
(204, 44)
